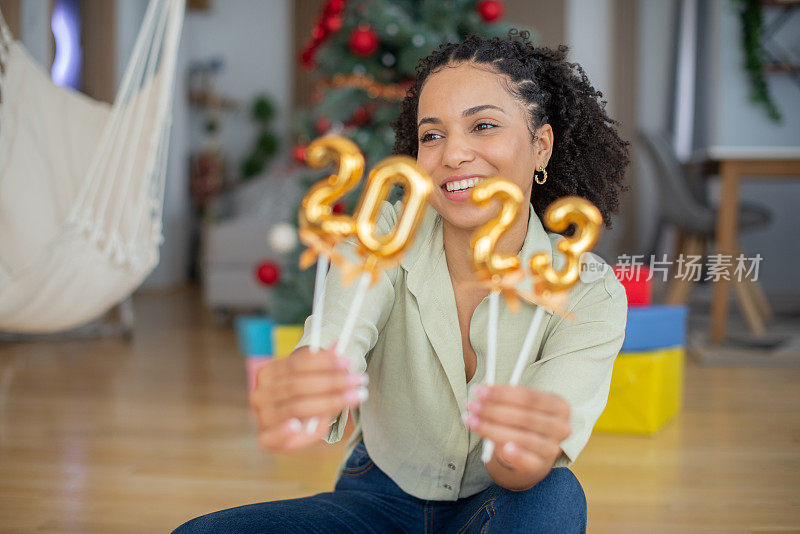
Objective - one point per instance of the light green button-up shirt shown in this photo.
(407, 339)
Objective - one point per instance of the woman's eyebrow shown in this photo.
(466, 113)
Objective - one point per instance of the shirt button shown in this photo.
(448, 487)
(452, 466)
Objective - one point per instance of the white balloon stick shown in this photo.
(319, 300)
(352, 314)
(527, 345)
(316, 320)
(491, 359)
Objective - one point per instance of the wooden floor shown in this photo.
(107, 436)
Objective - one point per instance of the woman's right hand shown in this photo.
(291, 390)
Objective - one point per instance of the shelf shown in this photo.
(781, 68)
(206, 99)
(780, 3)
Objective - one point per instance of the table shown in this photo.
(732, 164)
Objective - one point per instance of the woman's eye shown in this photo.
(427, 137)
(489, 124)
(480, 127)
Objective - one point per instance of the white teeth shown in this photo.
(462, 184)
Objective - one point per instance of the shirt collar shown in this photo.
(429, 243)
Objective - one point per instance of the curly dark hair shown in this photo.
(589, 157)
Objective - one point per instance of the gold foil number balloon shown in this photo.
(488, 263)
(558, 217)
(418, 186)
(316, 213)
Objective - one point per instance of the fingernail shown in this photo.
(311, 425)
(482, 392)
(464, 416)
(356, 395)
(510, 448)
(342, 362)
(471, 420)
(351, 396)
(355, 380)
(295, 425)
(474, 406)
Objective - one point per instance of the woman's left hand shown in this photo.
(526, 425)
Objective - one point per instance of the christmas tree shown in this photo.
(363, 56)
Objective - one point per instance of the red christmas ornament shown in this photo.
(268, 273)
(322, 125)
(318, 32)
(329, 22)
(299, 153)
(333, 24)
(361, 116)
(307, 58)
(363, 41)
(490, 10)
(339, 207)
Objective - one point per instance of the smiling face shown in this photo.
(472, 127)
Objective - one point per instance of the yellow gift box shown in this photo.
(646, 391)
(284, 338)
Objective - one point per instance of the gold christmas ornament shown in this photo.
(392, 92)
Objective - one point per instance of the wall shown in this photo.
(35, 30)
(656, 30)
(11, 13)
(589, 27)
(98, 31)
(589, 34)
(737, 121)
(727, 118)
(545, 17)
(656, 38)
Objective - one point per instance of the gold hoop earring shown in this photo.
(540, 180)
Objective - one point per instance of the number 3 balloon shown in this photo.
(558, 217)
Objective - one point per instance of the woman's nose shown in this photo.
(455, 152)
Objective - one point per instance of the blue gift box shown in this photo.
(255, 335)
(655, 327)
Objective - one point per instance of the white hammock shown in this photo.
(81, 182)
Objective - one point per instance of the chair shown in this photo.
(682, 204)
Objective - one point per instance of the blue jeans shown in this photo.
(365, 499)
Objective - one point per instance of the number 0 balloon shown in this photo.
(380, 252)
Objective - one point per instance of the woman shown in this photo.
(481, 108)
